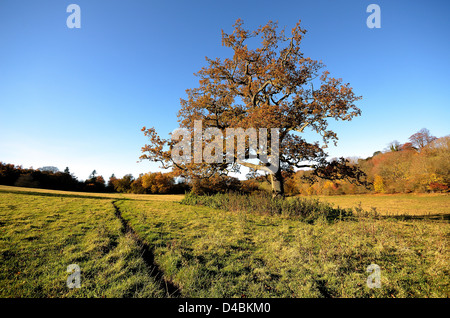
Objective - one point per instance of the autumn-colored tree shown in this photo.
(437, 164)
(401, 170)
(100, 180)
(271, 86)
(110, 187)
(249, 186)
(9, 173)
(95, 183)
(408, 146)
(124, 184)
(157, 182)
(290, 184)
(421, 138)
(137, 187)
(379, 184)
(214, 184)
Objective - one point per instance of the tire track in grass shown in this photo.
(148, 256)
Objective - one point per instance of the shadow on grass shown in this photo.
(433, 217)
(444, 217)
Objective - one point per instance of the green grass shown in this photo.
(213, 253)
(208, 252)
(41, 235)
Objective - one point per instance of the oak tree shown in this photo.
(273, 85)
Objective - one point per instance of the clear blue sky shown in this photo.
(79, 97)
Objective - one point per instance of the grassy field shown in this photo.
(145, 197)
(394, 204)
(212, 253)
(41, 235)
(206, 252)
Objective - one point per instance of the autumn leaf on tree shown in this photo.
(271, 86)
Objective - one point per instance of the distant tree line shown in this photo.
(420, 165)
(49, 177)
(173, 183)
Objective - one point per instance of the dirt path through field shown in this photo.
(148, 257)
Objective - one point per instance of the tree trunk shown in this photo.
(277, 184)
